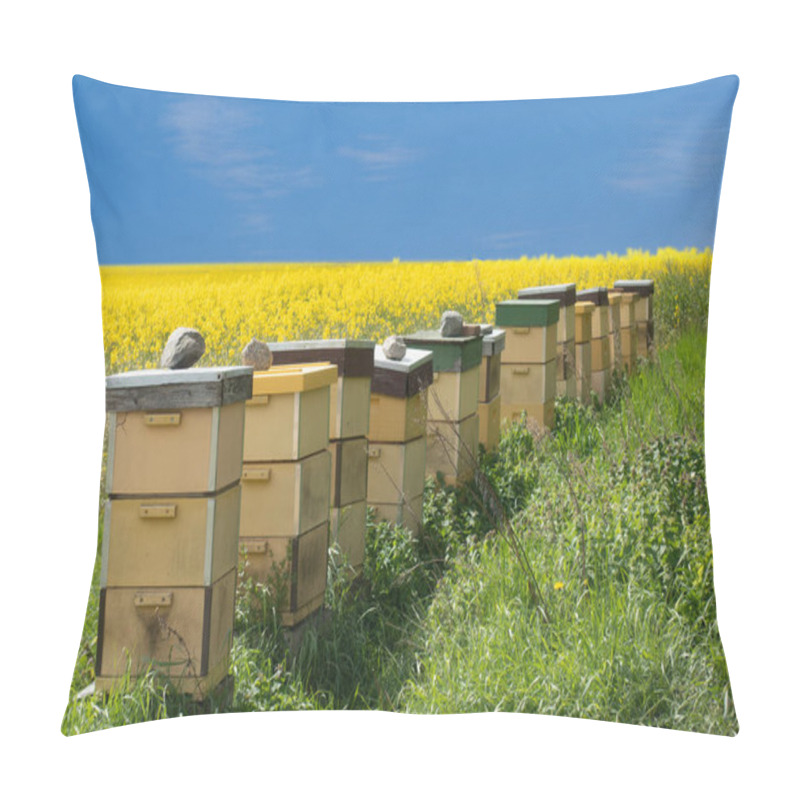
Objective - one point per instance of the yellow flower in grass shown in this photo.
(558, 585)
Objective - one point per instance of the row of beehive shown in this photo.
(332, 427)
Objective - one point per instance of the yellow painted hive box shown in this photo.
(295, 566)
(396, 471)
(348, 532)
(350, 393)
(399, 401)
(172, 541)
(453, 395)
(175, 431)
(567, 388)
(489, 423)
(539, 416)
(452, 449)
(184, 633)
(348, 470)
(563, 292)
(285, 498)
(601, 353)
(583, 322)
(528, 383)
(288, 415)
(530, 345)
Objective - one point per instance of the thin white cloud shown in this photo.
(380, 161)
(679, 159)
(210, 134)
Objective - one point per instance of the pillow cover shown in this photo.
(505, 511)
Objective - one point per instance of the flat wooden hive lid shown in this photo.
(494, 342)
(354, 358)
(291, 378)
(404, 378)
(527, 313)
(563, 292)
(644, 288)
(598, 295)
(195, 387)
(450, 353)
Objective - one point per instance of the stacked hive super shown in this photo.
(565, 356)
(628, 331)
(643, 291)
(171, 528)
(494, 342)
(528, 362)
(583, 350)
(452, 446)
(601, 349)
(286, 485)
(397, 437)
(349, 424)
(614, 330)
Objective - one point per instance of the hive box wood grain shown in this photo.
(454, 395)
(396, 471)
(583, 371)
(528, 383)
(452, 449)
(173, 541)
(348, 470)
(354, 361)
(296, 565)
(407, 514)
(627, 309)
(184, 633)
(288, 415)
(398, 419)
(601, 353)
(175, 431)
(348, 531)
(583, 322)
(489, 423)
(567, 388)
(600, 382)
(529, 345)
(540, 416)
(285, 498)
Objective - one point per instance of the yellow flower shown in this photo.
(558, 585)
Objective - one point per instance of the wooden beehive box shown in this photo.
(452, 449)
(453, 394)
(583, 371)
(644, 289)
(396, 471)
(175, 431)
(285, 498)
(489, 423)
(531, 330)
(170, 541)
(348, 470)
(287, 417)
(348, 531)
(583, 322)
(399, 409)
(494, 342)
(627, 310)
(350, 393)
(183, 632)
(565, 294)
(407, 514)
(528, 383)
(296, 565)
(600, 321)
(539, 416)
(615, 327)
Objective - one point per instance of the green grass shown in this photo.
(574, 577)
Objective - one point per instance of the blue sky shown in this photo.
(179, 178)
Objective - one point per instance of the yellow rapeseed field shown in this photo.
(231, 303)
